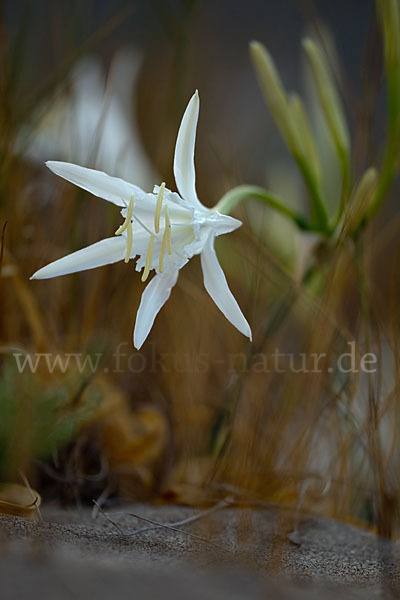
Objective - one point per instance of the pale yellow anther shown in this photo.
(128, 218)
(129, 243)
(162, 252)
(127, 225)
(167, 231)
(149, 256)
(157, 214)
(166, 240)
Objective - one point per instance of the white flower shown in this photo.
(164, 229)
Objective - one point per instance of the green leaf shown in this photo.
(291, 119)
(331, 106)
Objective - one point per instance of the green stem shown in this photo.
(387, 174)
(243, 192)
(388, 12)
(344, 193)
(318, 208)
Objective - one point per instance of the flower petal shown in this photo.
(101, 253)
(99, 184)
(222, 224)
(216, 285)
(184, 171)
(153, 299)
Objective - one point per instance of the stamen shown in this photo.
(157, 214)
(128, 218)
(166, 240)
(162, 252)
(149, 256)
(167, 229)
(127, 225)
(129, 243)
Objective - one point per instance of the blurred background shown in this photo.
(188, 419)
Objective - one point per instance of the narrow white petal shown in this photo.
(216, 285)
(101, 253)
(99, 184)
(222, 224)
(184, 171)
(153, 299)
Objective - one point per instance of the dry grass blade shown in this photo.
(29, 305)
(109, 519)
(3, 233)
(35, 496)
(100, 501)
(224, 503)
(171, 526)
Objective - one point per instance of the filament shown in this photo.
(157, 214)
(149, 256)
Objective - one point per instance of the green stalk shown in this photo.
(388, 13)
(243, 192)
(291, 120)
(333, 113)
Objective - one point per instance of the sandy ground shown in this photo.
(231, 554)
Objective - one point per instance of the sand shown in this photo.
(230, 554)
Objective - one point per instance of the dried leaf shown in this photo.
(19, 500)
